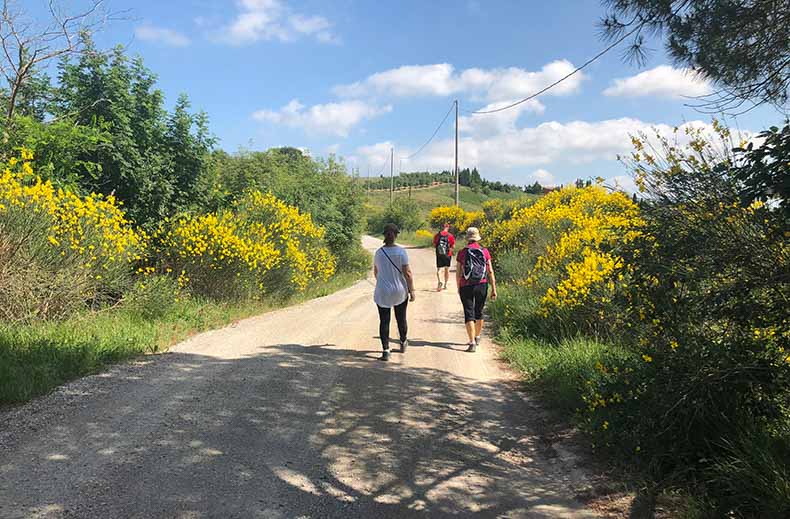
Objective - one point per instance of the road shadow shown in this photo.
(420, 343)
(432, 344)
(292, 431)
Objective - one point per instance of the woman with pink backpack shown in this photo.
(473, 273)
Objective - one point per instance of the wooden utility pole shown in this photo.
(456, 153)
(392, 168)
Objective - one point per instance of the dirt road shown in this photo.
(290, 414)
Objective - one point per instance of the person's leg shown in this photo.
(470, 331)
(446, 275)
(439, 276)
(400, 317)
(478, 328)
(481, 293)
(384, 327)
(468, 303)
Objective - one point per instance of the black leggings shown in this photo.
(384, 323)
(473, 298)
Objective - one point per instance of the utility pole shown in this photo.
(456, 153)
(392, 168)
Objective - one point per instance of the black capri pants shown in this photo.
(473, 299)
(384, 323)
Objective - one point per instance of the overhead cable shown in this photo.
(578, 69)
(432, 136)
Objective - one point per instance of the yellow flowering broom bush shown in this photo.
(458, 219)
(706, 388)
(569, 241)
(262, 246)
(58, 250)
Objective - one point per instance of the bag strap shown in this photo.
(393, 263)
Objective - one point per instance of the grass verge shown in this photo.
(35, 358)
(412, 239)
(557, 371)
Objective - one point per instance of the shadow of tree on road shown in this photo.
(293, 431)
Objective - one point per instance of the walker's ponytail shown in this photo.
(390, 232)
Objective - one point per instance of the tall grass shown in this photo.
(558, 371)
(36, 357)
(415, 239)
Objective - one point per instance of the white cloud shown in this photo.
(329, 119)
(662, 81)
(273, 20)
(621, 183)
(499, 122)
(543, 177)
(405, 81)
(161, 35)
(441, 79)
(574, 144)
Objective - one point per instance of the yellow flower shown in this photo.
(647, 358)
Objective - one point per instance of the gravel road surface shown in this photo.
(290, 414)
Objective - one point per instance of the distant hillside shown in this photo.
(444, 194)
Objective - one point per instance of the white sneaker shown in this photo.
(477, 340)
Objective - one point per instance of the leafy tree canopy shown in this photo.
(742, 45)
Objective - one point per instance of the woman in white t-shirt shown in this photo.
(394, 288)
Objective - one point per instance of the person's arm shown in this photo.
(435, 240)
(491, 279)
(409, 281)
(458, 269)
(375, 271)
(452, 244)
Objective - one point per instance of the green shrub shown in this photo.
(403, 212)
(153, 297)
(514, 265)
(706, 315)
(560, 371)
(751, 475)
(59, 251)
(355, 259)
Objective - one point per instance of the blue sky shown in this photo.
(355, 77)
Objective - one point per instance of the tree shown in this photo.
(743, 46)
(535, 189)
(27, 45)
(763, 172)
(154, 159)
(189, 150)
(34, 97)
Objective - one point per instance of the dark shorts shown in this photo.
(442, 261)
(473, 299)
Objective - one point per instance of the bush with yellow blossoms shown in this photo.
(568, 243)
(706, 391)
(59, 251)
(262, 246)
(458, 218)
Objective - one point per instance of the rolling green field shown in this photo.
(428, 198)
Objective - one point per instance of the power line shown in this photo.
(434, 133)
(578, 69)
